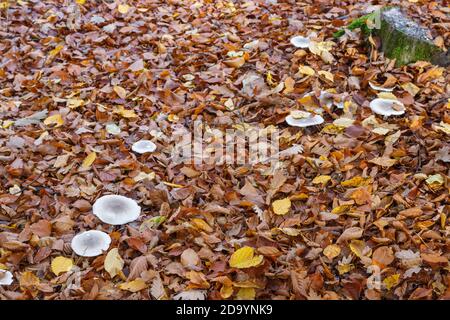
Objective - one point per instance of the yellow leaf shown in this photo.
(81, 2)
(321, 179)
(28, 279)
(411, 88)
(89, 160)
(281, 207)
(333, 129)
(246, 294)
(74, 103)
(340, 209)
(306, 70)
(245, 258)
(357, 181)
(57, 49)
(173, 117)
(61, 264)
(123, 8)
(387, 95)
(202, 225)
(299, 196)
(307, 101)
(226, 291)
(332, 251)
(125, 112)
(344, 268)
(55, 119)
(269, 79)
(133, 286)
(435, 181)
(391, 281)
(327, 75)
(7, 123)
(227, 286)
(424, 224)
(357, 247)
(443, 217)
(121, 92)
(113, 262)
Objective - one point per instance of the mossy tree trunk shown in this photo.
(406, 41)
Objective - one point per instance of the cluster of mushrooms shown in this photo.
(385, 106)
(110, 209)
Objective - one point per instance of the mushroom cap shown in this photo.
(115, 209)
(143, 146)
(304, 122)
(378, 88)
(385, 107)
(6, 278)
(90, 243)
(326, 98)
(300, 42)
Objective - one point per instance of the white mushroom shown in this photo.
(328, 99)
(378, 88)
(300, 42)
(387, 107)
(303, 119)
(6, 278)
(90, 243)
(116, 210)
(143, 146)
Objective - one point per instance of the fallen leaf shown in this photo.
(89, 160)
(350, 234)
(246, 294)
(391, 281)
(121, 92)
(321, 179)
(123, 8)
(281, 207)
(134, 286)
(61, 264)
(55, 119)
(383, 256)
(306, 70)
(245, 258)
(332, 251)
(235, 63)
(113, 263)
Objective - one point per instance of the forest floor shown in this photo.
(355, 208)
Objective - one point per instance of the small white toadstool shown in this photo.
(6, 278)
(303, 119)
(143, 146)
(116, 210)
(90, 243)
(300, 42)
(387, 107)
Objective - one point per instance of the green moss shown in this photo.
(405, 49)
(405, 46)
(360, 23)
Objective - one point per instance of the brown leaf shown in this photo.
(383, 256)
